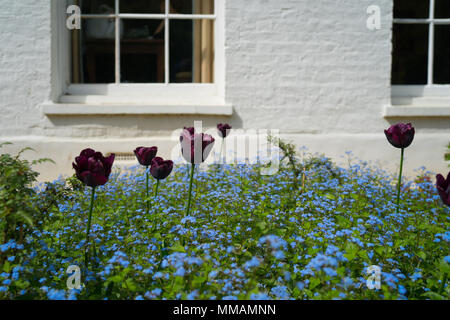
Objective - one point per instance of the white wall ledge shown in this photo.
(416, 111)
(65, 109)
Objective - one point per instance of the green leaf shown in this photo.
(351, 251)
(177, 247)
(6, 266)
(314, 282)
(433, 295)
(444, 266)
(25, 217)
(130, 285)
(379, 250)
(116, 279)
(262, 226)
(343, 222)
(5, 144)
(422, 255)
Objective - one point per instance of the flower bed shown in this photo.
(247, 236)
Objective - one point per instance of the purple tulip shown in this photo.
(400, 135)
(443, 187)
(92, 168)
(195, 147)
(145, 155)
(161, 168)
(223, 129)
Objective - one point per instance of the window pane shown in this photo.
(442, 54)
(192, 51)
(97, 6)
(442, 9)
(142, 51)
(192, 6)
(413, 9)
(142, 6)
(93, 51)
(410, 54)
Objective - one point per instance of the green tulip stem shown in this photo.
(89, 227)
(399, 185)
(221, 150)
(156, 187)
(146, 183)
(190, 189)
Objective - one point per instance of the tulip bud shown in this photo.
(92, 168)
(400, 135)
(223, 129)
(443, 187)
(195, 147)
(145, 155)
(160, 168)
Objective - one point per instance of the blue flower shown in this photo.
(180, 272)
(252, 263)
(416, 276)
(213, 274)
(330, 272)
(401, 289)
(192, 295)
(56, 295)
(280, 292)
(259, 296)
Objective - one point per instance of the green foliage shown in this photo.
(299, 166)
(289, 152)
(17, 197)
(447, 155)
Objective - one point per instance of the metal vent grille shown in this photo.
(124, 156)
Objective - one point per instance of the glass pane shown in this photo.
(192, 51)
(442, 9)
(93, 51)
(97, 6)
(410, 54)
(142, 51)
(442, 54)
(412, 9)
(192, 6)
(142, 6)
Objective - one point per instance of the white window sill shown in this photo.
(73, 109)
(418, 107)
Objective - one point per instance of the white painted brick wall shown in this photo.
(309, 68)
(24, 64)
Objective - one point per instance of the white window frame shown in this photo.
(139, 98)
(430, 89)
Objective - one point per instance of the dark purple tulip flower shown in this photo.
(223, 129)
(195, 147)
(161, 168)
(145, 155)
(92, 168)
(400, 135)
(443, 187)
